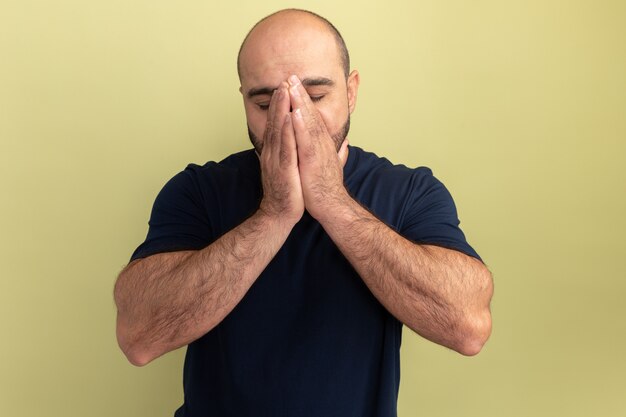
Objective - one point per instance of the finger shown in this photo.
(288, 149)
(281, 108)
(300, 100)
(343, 152)
(304, 127)
(303, 137)
(268, 138)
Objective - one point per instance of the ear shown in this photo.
(353, 88)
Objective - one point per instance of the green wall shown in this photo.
(519, 107)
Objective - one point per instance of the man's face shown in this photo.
(308, 50)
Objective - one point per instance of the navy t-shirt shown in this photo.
(308, 339)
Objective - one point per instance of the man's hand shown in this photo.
(319, 164)
(282, 191)
(439, 293)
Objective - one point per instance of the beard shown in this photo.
(338, 137)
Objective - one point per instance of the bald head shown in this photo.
(284, 23)
(302, 44)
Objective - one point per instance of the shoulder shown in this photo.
(362, 163)
(411, 200)
(197, 184)
(240, 163)
(201, 202)
(366, 171)
(241, 166)
(387, 189)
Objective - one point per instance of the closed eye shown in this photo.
(316, 98)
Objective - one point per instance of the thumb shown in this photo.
(343, 152)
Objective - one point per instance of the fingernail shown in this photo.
(297, 114)
(293, 80)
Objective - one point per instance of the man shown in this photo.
(289, 271)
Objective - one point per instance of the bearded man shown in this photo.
(289, 269)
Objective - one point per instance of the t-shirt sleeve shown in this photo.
(430, 216)
(179, 220)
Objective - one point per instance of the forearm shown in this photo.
(439, 293)
(169, 300)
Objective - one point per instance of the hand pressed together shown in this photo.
(282, 192)
(300, 165)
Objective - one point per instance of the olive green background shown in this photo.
(519, 107)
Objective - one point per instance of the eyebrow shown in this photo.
(307, 82)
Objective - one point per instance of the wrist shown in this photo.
(336, 209)
(276, 218)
